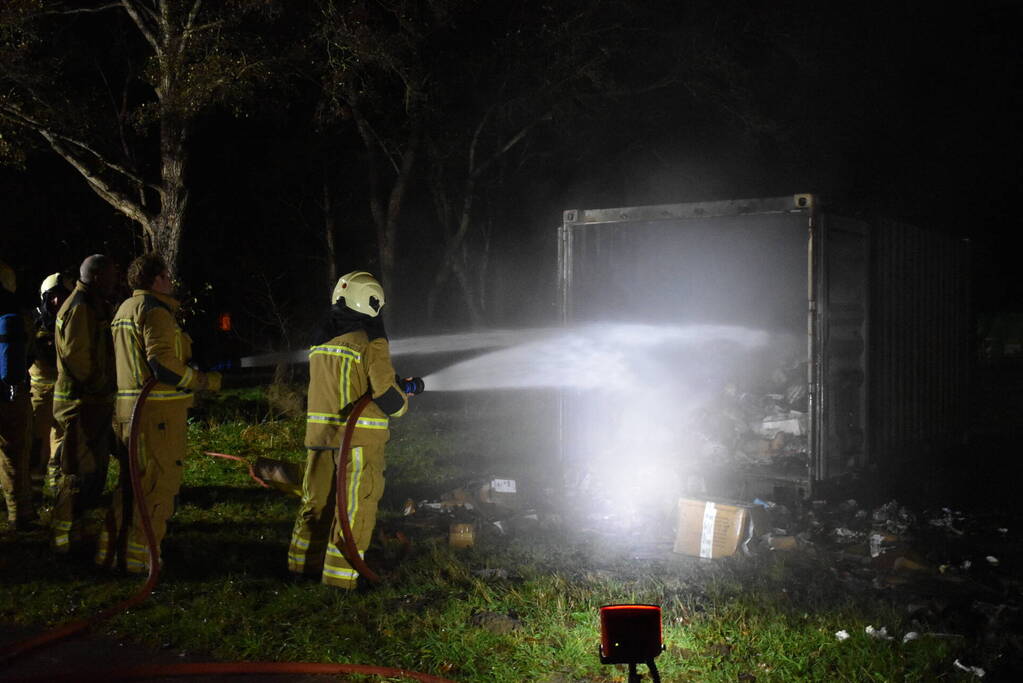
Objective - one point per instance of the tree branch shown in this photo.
(136, 15)
(84, 10)
(15, 115)
(116, 199)
(189, 22)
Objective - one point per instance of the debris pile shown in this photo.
(951, 571)
(765, 424)
(491, 506)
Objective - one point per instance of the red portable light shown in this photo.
(224, 322)
(630, 634)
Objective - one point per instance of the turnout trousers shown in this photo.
(15, 429)
(316, 540)
(46, 436)
(161, 453)
(82, 457)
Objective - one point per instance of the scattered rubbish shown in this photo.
(881, 543)
(1003, 530)
(845, 534)
(975, 670)
(409, 508)
(783, 543)
(894, 518)
(878, 633)
(461, 536)
(500, 493)
(947, 520)
(766, 504)
(842, 635)
(908, 564)
(992, 560)
(910, 636)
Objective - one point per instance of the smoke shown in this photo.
(599, 356)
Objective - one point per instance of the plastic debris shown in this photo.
(842, 635)
(912, 635)
(992, 560)
(893, 517)
(878, 633)
(947, 520)
(847, 535)
(975, 670)
(783, 543)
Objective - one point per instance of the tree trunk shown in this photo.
(328, 230)
(168, 228)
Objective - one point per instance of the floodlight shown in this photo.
(631, 634)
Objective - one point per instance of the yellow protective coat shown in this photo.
(83, 398)
(340, 372)
(148, 341)
(46, 433)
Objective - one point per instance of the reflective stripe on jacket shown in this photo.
(85, 350)
(340, 372)
(147, 342)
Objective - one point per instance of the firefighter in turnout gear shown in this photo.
(53, 292)
(351, 358)
(148, 342)
(83, 398)
(15, 407)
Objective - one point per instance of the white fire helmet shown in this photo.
(52, 281)
(7, 279)
(361, 291)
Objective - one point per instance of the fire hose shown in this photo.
(17, 649)
(349, 549)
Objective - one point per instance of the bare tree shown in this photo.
(193, 56)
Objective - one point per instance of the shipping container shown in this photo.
(872, 314)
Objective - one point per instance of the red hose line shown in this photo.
(207, 668)
(229, 668)
(67, 630)
(252, 471)
(348, 547)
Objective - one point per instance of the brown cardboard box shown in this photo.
(711, 529)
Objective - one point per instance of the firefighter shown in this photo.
(350, 359)
(53, 292)
(149, 343)
(83, 398)
(15, 406)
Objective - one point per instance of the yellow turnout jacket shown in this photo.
(85, 351)
(341, 371)
(148, 341)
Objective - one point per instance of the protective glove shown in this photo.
(213, 381)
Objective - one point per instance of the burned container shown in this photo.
(868, 323)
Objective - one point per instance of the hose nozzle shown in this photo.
(413, 385)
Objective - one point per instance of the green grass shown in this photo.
(225, 593)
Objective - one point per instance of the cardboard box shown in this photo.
(710, 528)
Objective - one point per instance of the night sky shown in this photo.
(905, 110)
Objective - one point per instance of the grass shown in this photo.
(225, 593)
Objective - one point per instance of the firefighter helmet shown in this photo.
(361, 293)
(52, 281)
(7, 279)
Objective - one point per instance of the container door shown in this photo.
(839, 314)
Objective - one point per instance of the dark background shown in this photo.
(905, 110)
